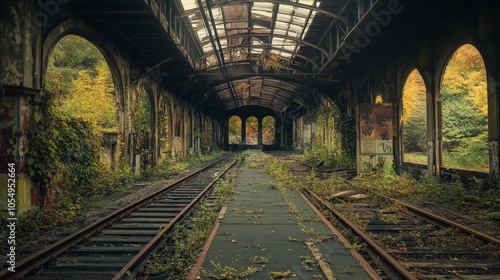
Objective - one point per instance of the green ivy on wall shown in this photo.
(63, 152)
(347, 125)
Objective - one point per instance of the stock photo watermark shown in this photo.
(363, 38)
(48, 10)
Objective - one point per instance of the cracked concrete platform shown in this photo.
(258, 224)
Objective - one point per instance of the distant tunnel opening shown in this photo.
(268, 130)
(234, 130)
(252, 131)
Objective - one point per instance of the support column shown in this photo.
(243, 131)
(154, 127)
(222, 133)
(277, 130)
(431, 132)
(259, 133)
(493, 129)
(435, 120)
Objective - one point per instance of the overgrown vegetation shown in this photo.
(190, 236)
(64, 156)
(479, 201)
(328, 159)
(464, 113)
(285, 180)
(172, 166)
(231, 273)
(325, 188)
(65, 137)
(326, 149)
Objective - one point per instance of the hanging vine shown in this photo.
(63, 155)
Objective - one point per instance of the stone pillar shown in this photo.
(493, 129)
(431, 133)
(243, 131)
(259, 137)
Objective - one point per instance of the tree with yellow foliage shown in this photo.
(92, 98)
(78, 75)
(465, 111)
(414, 118)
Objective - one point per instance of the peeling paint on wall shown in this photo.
(375, 136)
(15, 115)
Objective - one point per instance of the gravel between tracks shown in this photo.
(91, 210)
(458, 214)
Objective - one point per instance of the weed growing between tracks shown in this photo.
(482, 203)
(229, 272)
(172, 166)
(284, 179)
(329, 159)
(190, 236)
(287, 183)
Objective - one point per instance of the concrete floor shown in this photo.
(259, 231)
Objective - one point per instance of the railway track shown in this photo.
(116, 246)
(406, 242)
(401, 241)
(345, 172)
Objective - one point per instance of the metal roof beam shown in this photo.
(286, 37)
(283, 2)
(303, 31)
(215, 43)
(268, 47)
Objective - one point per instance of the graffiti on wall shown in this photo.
(375, 136)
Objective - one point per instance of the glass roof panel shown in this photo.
(275, 30)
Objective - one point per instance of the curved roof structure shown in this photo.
(256, 52)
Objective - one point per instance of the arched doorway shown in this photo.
(252, 131)
(268, 130)
(234, 130)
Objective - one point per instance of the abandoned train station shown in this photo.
(411, 85)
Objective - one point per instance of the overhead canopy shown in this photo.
(224, 54)
(258, 52)
(280, 54)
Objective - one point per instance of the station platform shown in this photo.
(268, 234)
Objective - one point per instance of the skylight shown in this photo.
(275, 27)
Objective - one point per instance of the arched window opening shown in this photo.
(464, 115)
(252, 131)
(80, 81)
(414, 119)
(268, 130)
(144, 119)
(79, 76)
(234, 129)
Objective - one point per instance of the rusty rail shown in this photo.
(368, 240)
(151, 247)
(36, 260)
(447, 222)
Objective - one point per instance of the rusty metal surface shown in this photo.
(36, 260)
